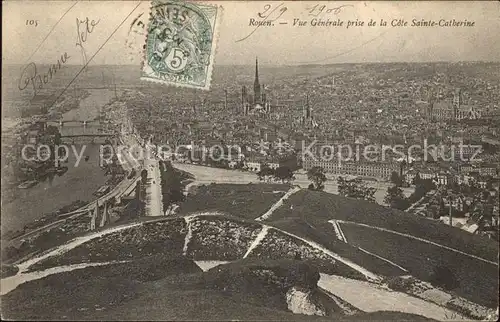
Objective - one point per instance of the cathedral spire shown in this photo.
(256, 84)
(256, 70)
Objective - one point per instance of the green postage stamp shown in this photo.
(181, 43)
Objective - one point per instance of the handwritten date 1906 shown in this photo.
(318, 10)
(271, 13)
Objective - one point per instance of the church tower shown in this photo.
(430, 106)
(256, 84)
(457, 101)
(244, 98)
(307, 110)
(225, 99)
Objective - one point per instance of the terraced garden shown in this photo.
(219, 238)
(140, 240)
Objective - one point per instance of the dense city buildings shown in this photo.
(434, 121)
(452, 109)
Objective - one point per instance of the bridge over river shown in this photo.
(83, 131)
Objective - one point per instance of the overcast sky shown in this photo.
(281, 44)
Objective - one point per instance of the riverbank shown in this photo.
(78, 183)
(55, 227)
(25, 206)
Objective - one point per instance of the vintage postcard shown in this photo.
(250, 160)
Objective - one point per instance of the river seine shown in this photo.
(78, 183)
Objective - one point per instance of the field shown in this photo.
(324, 235)
(418, 257)
(478, 281)
(207, 175)
(245, 201)
(250, 201)
(322, 207)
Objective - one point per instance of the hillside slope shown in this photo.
(416, 244)
(166, 288)
(357, 246)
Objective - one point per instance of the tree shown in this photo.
(482, 209)
(474, 186)
(396, 179)
(284, 173)
(171, 183)
(451, 196)
(441, 207)
(395, 198)
(489, 183)
(419, 192)
(318, 177)
(222, 163)
(444, 277)
(435, 207)
(265, 171)
(239, 165)
(355, 188)
(433, 211)
(54, 131)
(428, 184)
(144, 176)
(416, 180)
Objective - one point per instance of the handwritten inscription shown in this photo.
(327, 15)
(318, 10)
(267, 17)
(271, 15)
(83, 29)
(31, 77)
